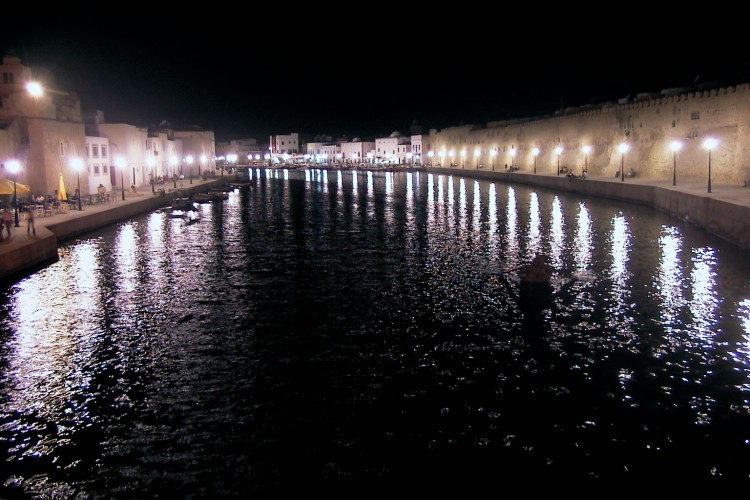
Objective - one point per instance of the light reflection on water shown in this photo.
(367, 329)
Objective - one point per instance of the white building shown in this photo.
(281, 144)
(324, 152)
(97, 165)
(392, 149)
(356, 151)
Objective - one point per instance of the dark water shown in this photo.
(324, 333)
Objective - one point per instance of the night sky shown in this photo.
(328, 77)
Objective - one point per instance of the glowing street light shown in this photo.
(709, 144)
(535, 152)
(203, 160)
(586, 150)
(35, 89)
(463, 158)
(675, 146)
(623, 148)
(151, 163)
(477, 152)
(558, 151)
(13, 167)
(512, 157)
(77, 165)
(120, 163)
(189, 161)
(430, 155)
(173, 162)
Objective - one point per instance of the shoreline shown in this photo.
(724, 213)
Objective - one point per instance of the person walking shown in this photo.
(7, 219)
(30, 220)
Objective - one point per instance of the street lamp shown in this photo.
(709, 144)
(430, 154)
(203, 160)
(623, 149)
(120, 163)
(173, 161)
(494, 154)
(13, 166)
(559, 151)
(189, 161)
(512, 157)
(675, 146)
(535, 152)
(586, 150)
(463, 158)
(476, 157)
(151, 163)
(77, 165)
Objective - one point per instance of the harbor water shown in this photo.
(326, 331)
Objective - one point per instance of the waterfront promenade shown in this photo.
(725, 212)
(23, 252)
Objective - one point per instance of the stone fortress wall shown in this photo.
(647, 123)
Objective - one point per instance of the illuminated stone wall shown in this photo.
(648, 124)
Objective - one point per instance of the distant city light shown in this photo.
(35, 89)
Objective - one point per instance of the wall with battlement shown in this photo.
(648, 124)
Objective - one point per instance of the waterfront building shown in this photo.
(356, 151)
(392, 149)
(45, 130)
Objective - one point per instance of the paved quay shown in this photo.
(724, 212)
(25, 252)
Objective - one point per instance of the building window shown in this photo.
(104, 151)
(88, 150)
(695, 115)
(104, 168)
(62, 148)
(95, 150)
(96, 169)
(7, 77)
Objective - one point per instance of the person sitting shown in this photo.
(133, 190)
(101, 191)
(631, 172)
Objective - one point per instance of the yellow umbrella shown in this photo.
(6, 187)
(61, 194)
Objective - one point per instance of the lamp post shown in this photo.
(512, 157)
(120, 164)
(430, 155)
(203, 160)
(623, 149)
(463, 158)
(189, 161)
(476, 157)
(586, 150)
(494, 154)
(559, 151)
(151, 163)
(13, 166)
(709, 144)
(675, 146)
(173, 161)
(77, 165)
(535, 152)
